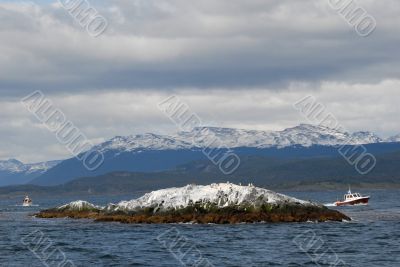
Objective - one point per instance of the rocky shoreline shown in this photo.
(298, 214)
(223, 203)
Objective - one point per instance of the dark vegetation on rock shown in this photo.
(193, 214)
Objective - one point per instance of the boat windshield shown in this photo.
(350, 196)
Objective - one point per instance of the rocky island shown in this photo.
(223, 203)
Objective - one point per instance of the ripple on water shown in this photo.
(376, 227)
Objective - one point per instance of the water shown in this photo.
(372, 239)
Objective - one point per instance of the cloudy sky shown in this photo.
(236, 63)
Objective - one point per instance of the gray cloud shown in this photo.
(102, 115)
(237, 63)
(198, 44)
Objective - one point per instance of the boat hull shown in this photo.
(359, 201)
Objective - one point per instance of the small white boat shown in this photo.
(27, 202)
(351, 199)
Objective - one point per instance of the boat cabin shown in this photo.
(353, 199)
(352, 196)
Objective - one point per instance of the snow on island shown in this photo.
(221, 195)
(79, 206)
(216, 203)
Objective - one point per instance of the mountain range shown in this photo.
(304, 135)
(13, 171)
(152, 152)
(311, 173)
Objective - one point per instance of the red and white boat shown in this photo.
(351, 199)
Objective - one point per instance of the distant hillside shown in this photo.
(280, 172)
(274, 173)
(164, 160)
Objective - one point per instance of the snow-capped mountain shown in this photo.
(395, 138)
(12, 165)
(13, 171)
(365, 138)
(304, 135)
(16, 166)
(41, 166)
(218, 195)
(142, 141)
(154, 152)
